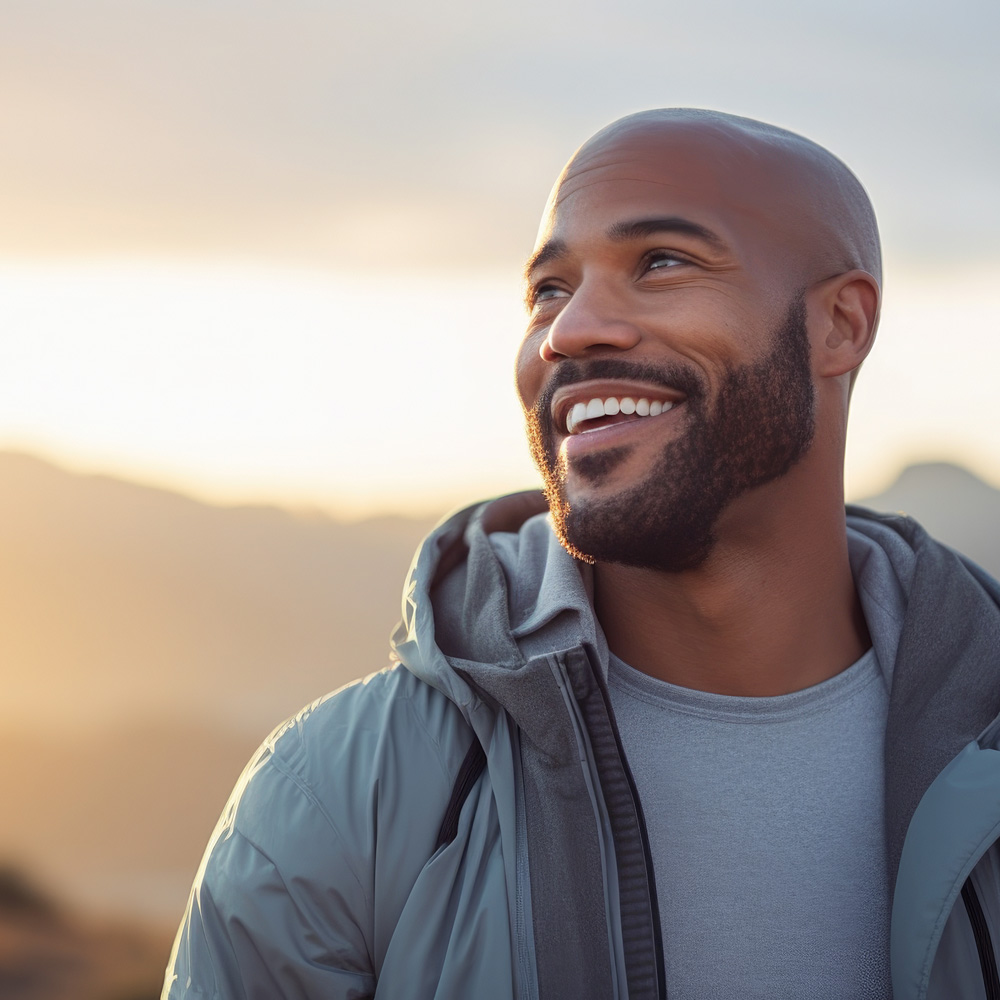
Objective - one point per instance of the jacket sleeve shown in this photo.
(279, 907)
(315, 857)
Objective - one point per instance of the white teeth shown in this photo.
(611, 406)
(576, 415)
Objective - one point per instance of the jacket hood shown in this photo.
(491, 594)
(934, 618)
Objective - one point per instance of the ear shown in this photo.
(842, 316)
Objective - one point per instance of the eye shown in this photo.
(546, 292)
(658, 260)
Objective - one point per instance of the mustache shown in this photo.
(674, 375)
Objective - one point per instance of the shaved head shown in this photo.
(701, 294)
(817, 210)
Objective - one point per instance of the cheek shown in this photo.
(529, 371)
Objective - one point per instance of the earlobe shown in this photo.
(843, 315)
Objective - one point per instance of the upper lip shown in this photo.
(566, 397)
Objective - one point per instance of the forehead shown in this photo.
(728, 186)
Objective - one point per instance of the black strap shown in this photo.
(468, 775)
(984, 944)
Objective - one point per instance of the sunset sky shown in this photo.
(266, 251)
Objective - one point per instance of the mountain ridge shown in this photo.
(129, 597)
(151, 641)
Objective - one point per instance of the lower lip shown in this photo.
(616, 434)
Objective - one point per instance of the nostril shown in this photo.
(547, 352)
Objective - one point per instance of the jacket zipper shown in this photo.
(661, 983)
(984, 943)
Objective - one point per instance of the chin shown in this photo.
(633, 529)
(760, 426)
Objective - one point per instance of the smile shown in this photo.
(598, 404)
(583, 418)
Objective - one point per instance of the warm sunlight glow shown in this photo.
(365, 394)
(928, 389)
(350, 393)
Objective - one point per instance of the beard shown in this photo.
(761, 424)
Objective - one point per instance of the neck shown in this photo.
(772, 610)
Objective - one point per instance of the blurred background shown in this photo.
(259, 300)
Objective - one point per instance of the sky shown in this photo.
(264, 251)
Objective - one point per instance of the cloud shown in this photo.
(324, 130)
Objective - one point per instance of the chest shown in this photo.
(766, 830)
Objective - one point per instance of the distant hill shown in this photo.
(955, 506)
(120, 601)
(50, 953)
(148, 643)
(116, 822)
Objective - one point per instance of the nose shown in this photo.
(588, 320)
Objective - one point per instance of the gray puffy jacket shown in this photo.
(464, 824)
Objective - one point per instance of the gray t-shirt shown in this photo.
(766, 825)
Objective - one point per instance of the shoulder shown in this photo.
(377, 746)
(360, 723)
(327, 829)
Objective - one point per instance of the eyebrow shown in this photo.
(631, 229)
(550, 250)
(634, 229)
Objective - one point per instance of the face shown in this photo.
(665, 371)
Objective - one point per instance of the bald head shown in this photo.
(701, 294)
(814, 211)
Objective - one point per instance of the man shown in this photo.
(688, 734)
